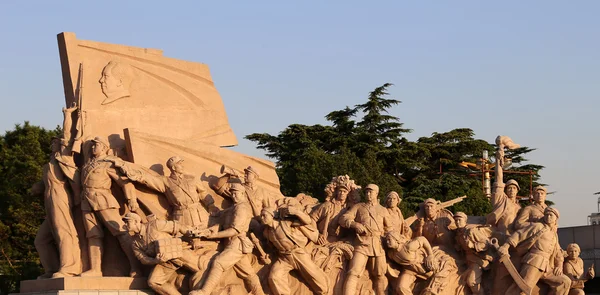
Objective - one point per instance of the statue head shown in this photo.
(431, 208)
(460, 219)
(395, 239)
(512, 188)
(392, 200)
(573, 251)
(175, 164)
(100, 146)
(115, 81)
(133, 222)
(250, 175)
(267, 215)
(371, 192)
(237, 192)
(539, 194)
(551, 216)
(55, 144)
(340, 188)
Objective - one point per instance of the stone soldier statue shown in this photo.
(436, 224)
(238, 245)
(328, 213)
(391, 201)
(100, 207)
(371, 222)
(290, 235)
(573, 268)
(534, 212)
(146, 244)
(258, 197)
(504, 198)
(544, 258)
(188, 197)
(472, 241)
(57, 241)
(419, 261)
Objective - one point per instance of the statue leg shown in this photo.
(474, 274)
(158, 280)
(66, 239)
(278, 277)
(112, 220)
(405, 283)
(377, 267)
(314, 275)
(559, 285)
(531, 275)
(223, 262)
(94, 235)
(246, 272)
(44, 244)
(357, 266)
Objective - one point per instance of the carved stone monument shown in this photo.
(142, 197)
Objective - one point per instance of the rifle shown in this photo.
(79, 127)
(441, 205)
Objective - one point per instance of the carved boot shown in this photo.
(350, 285)
(254, 284)
(126, 241)
(95, 248)
(212, 280)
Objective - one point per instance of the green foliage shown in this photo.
(23, 153)
(368, 144)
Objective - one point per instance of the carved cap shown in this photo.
(172, 161)
(540, 188)
(101, 140)
(430, 201)
(132, 216)
(553, 211)
(237, 187)
(252, 170)
(513, 182)
(371, 186)
(460, 215)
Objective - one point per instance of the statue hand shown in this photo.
(322, 240)
(161, 257)
(591, 272)
(557, 271)
(133, 205)
(361, 229)
(503, 250)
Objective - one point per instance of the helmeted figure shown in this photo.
(436, 225)
(418, 260)
(151, 239)
(100, 208)
(544, 258)
(371, 222)
(238, 245)
(472, 242)
(534, 212)
(290, 234)
(191, 204)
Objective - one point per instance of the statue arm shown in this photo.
(127, 186)
(347, 219)
(206, 198)
(422, 242)
(142, 256)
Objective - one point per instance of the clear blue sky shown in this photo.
(275, 63)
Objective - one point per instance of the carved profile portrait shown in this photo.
(115, 81)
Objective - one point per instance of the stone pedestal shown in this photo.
(87, 286)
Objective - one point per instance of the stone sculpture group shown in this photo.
(232, 233)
